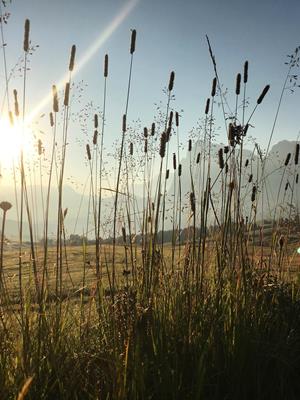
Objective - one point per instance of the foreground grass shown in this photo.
(224, 345)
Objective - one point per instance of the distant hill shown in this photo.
(78, 204)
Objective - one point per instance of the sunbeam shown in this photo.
(91, 51)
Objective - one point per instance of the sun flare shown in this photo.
(14, 139)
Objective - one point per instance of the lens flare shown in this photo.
(14, 138)
(91, 51)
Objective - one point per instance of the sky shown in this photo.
(170, 36)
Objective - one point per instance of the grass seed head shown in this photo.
(106, 66)
(95, 137)
(67, 94)
(221, 158)
(88, 152)
(193, 202)
(174, 161)
(246, 72)
(72, 58)
(171, 81)
(124, 123)
(171, 119)
(207, 106)
(40, 147)
(263, 93)
(163, 142)
(5, 206)
(55, 99)
(153, 129)
(26, 35)
(177, 119)
(133, 40)
(253, 195)
(51, 119)
(179, 170)
(297, 153)
(16, 103)
(96, 121)
(238, 84)
(287, 160)
(214, 87)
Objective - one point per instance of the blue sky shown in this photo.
(170, 36)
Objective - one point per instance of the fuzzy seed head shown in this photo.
(16, 103)
(287, 160)
(153, 129)
(163, 142)
(40, 147)
(171, 119)
(67, 94)
(72, 58)
(207, 106)
(238, 84)
(5, 206)
(253, 195)
(51, 119)
(246, 72)
(214, 86)
(221, 158)
(26, 35)
(106, 66)
(133, 40)
(263, 93)
(95, 137)
(96, 121)
(124, 123)
(177, 119)
(55, 99)
(171, 81)
(88, 152)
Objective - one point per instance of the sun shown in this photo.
(14, 138)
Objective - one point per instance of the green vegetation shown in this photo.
(213, 313)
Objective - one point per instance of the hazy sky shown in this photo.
(170, 36)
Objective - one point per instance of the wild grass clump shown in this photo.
(185, 292)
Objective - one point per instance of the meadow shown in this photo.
(174, 296)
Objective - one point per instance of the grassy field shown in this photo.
(213, 315)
